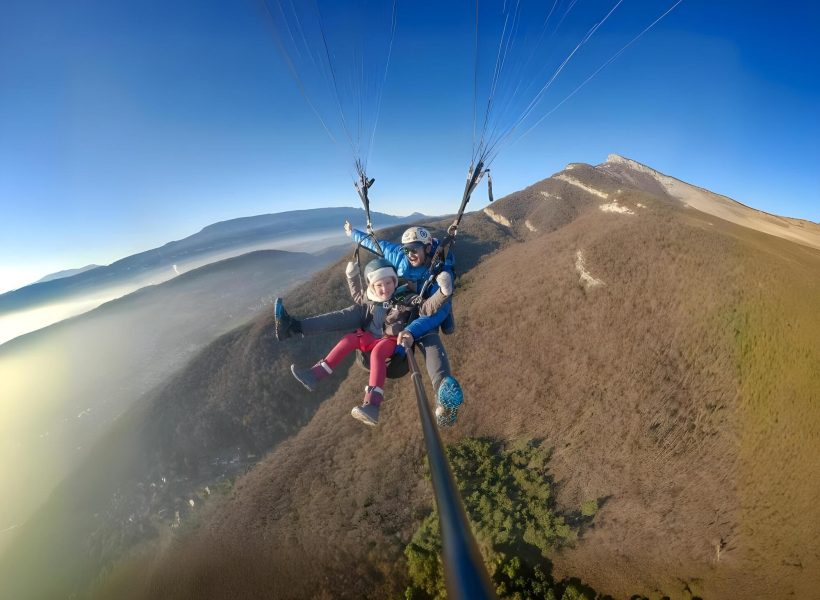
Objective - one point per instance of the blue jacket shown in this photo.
(418, 275)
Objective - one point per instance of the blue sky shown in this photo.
(126, 125)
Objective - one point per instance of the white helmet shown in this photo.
(416, 235)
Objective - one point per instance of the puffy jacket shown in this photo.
(416, 275)
(394, 253)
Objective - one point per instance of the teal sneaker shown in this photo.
(450, 398)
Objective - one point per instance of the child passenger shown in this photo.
(385, 314)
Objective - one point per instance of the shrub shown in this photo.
(507, 493)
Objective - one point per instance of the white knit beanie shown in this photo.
(382, 273)
(386, 273)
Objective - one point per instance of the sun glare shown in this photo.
(12, 278)
(15, 324)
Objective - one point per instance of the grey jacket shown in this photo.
(383, 318)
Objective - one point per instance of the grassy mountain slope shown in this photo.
(679, 393)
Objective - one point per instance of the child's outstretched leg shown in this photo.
(368, 412)
(312, 376)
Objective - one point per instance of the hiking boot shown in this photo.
(367, 414)
(373, 395)
(311, 377)
(450, 398)
(285, 325)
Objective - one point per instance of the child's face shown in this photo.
(384, 288)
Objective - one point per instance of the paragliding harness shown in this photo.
(397, 366)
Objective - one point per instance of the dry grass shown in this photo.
(683, 393)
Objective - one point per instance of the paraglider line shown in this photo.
(496, 147)
(292, 68)
(602, 67)
(335, 80)
(384, 79)
(475, 74)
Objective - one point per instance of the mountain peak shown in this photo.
(617, 159)
(648, 179)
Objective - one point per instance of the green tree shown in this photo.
(507, 493)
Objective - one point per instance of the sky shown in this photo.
(124, 126)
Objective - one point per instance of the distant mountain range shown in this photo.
(67, 294)
(66, 273)
(286, 230)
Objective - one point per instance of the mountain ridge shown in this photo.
(221, 236)
(723, 206)
(64, 273)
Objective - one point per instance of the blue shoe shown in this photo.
(367, 414)
(450, 398)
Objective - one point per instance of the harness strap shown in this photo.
(438, 261)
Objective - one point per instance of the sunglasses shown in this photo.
(412, 249)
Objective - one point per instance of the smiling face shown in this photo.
(416, 253)
(383, 288)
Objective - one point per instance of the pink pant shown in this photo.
(380, 350)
